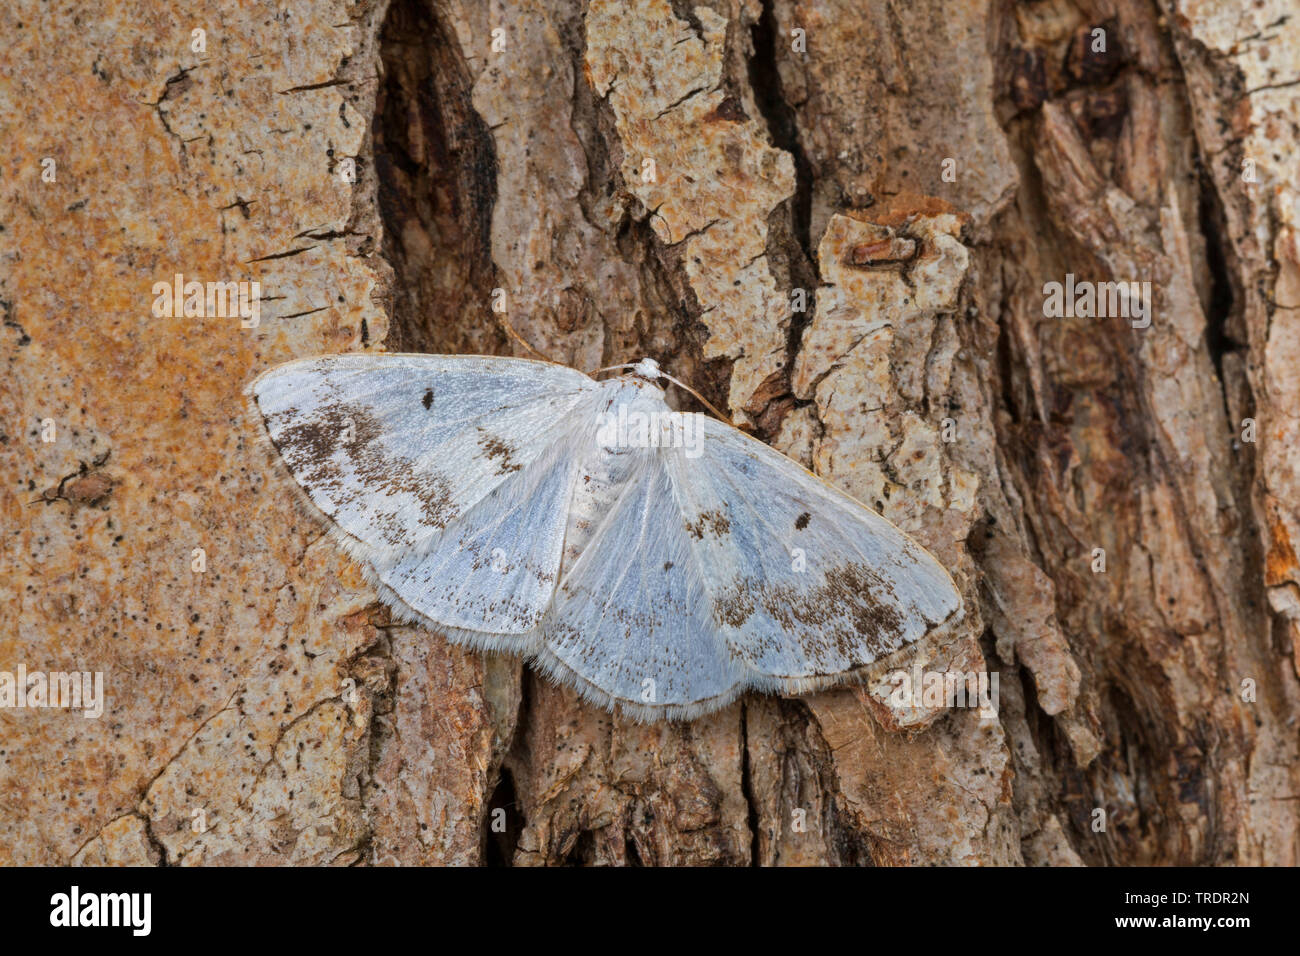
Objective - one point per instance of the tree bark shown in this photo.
(834, 218)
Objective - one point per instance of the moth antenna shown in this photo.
(703, 401)
(611, 368)
(510, 330)
(680, 384)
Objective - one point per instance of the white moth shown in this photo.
(490, 499)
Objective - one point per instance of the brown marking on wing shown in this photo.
(500, 452)
(713, 521)
(816, 615)
(801, 522)
(308, 447)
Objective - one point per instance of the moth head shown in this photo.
(648, 369)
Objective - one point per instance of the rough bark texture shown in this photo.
(794, 145)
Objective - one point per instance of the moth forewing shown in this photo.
(395, 450)
(805, 581)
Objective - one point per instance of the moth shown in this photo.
(499, 502)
